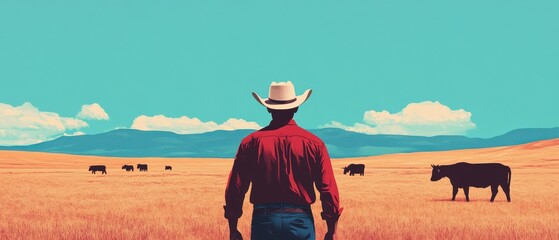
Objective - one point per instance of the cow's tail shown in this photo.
(510, 175)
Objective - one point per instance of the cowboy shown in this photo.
(283, 162)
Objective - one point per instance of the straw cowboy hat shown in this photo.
(282, 96)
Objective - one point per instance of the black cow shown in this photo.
(128, 168)
(168, 168)
(355, 168)
(95, 168)
(465, 175)
(142, 167)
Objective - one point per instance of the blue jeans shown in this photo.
(282, 225)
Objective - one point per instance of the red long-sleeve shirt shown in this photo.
(282, 161)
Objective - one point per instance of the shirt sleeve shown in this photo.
(326, 185)
(237, 185)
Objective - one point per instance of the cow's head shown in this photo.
(346, 169)
(90, 168)
(437, 173)
(123, 166)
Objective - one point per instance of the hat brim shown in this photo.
(283, 106)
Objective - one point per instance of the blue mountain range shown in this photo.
(224, 144)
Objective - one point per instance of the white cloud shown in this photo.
(421, 119)
(25, 124)
(186, 125)
(93, 111)
(78, 133)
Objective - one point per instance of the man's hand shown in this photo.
(331, 234)
(234, 234)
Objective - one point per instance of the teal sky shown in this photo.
(498, 60)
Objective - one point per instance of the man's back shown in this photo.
(284, 161)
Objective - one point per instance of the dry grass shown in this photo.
(52, 196)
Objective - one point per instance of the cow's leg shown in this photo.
(494, 191)
(506, 189)
(454, 192)
(467, 193)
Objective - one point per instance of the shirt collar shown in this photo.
(278, 123)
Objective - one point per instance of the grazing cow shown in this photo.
(128, 168)
(465, 175)
(142, 167)
(355, 168)
(95, 168)
(168, 168)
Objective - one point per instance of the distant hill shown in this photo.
(224, 144)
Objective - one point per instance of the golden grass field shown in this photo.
(53, 196)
